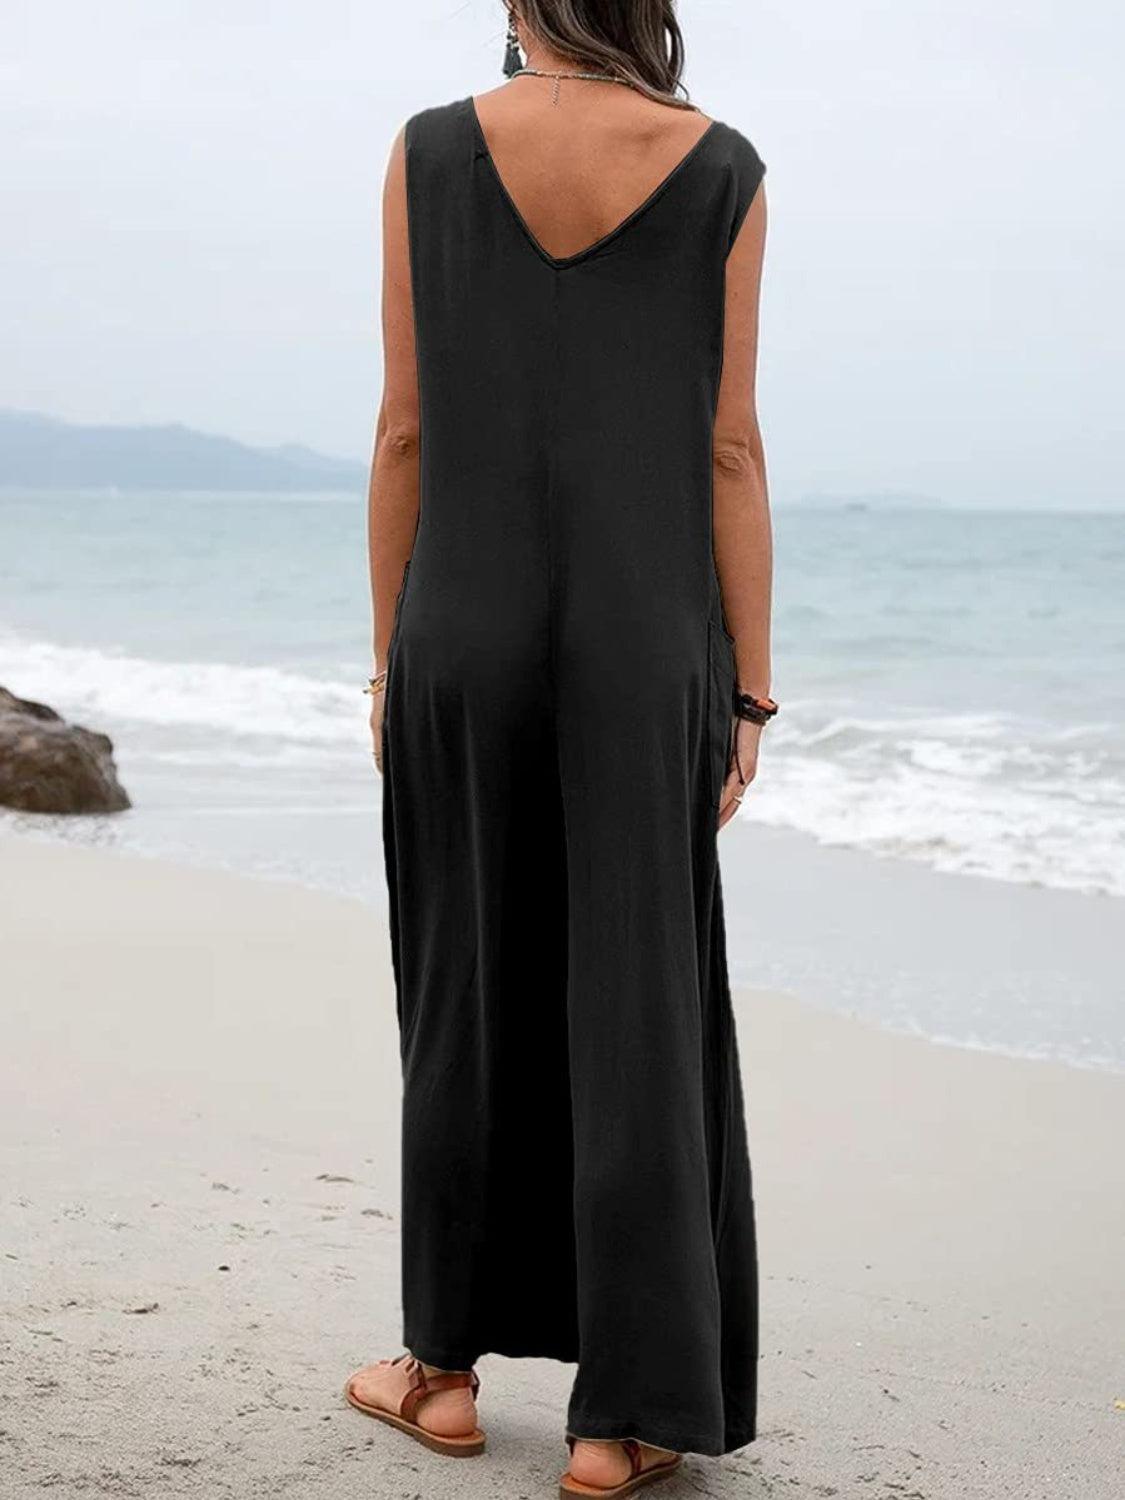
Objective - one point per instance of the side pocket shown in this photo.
(720, 705)
(398, 612)
(392, 645)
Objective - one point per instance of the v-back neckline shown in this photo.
(559, 262)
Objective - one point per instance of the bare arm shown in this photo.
(392, 510)
(743, 542)
(392, 500)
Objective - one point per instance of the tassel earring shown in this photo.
(512, 60)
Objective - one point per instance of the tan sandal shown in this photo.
(405, 1419)
(639, 1476)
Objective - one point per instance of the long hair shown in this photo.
(638, 41)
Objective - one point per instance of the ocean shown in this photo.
(952, 687)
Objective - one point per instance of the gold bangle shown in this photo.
(376, 684)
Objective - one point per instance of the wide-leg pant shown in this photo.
(575, 1174)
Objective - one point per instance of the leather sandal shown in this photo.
(405, 1419)
(639, 1476)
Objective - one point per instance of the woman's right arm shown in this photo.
(742, 533)
(392, 507)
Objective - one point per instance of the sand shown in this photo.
(199, 1235)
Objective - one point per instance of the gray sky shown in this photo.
(191, 222)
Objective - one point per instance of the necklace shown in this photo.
(558, 78)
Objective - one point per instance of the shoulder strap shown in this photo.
(438, 184)
(746, 170)
(437, 145)
(437, 131)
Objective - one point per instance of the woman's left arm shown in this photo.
(392, 509)
(742, 534)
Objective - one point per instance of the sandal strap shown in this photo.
(630, 1445)
(423, 1385)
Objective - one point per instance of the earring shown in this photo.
(512, 61)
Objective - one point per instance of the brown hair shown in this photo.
(638, 41)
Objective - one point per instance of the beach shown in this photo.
(936, 841)
(923, 890)
(200, 1225)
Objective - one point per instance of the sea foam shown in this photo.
(983, 794)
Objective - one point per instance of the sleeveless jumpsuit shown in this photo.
(557, 728)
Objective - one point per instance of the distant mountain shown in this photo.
(879, 500)
(38, 452)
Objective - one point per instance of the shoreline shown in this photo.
(199, 1108)
(936, 955)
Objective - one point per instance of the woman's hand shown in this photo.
(377, 730)
(744, 755)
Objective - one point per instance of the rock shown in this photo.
(50, 766)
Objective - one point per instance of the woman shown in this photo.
(571, 576)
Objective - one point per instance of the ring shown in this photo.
(740, 796)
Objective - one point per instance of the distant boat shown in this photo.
(876, 500)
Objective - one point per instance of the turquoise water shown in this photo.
(952, 683)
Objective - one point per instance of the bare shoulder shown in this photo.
(622, 118)
(394, 175)
(667, 122)
(490, 96)
(648, 123)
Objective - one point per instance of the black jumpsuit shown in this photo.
(558, 712)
